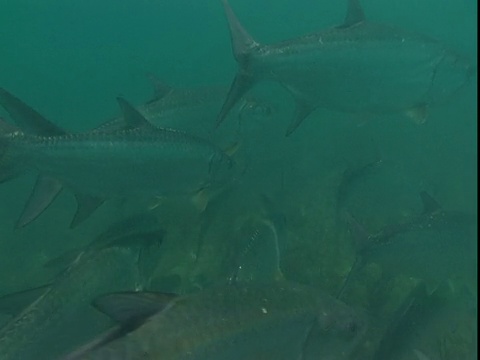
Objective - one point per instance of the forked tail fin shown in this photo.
(242, 45)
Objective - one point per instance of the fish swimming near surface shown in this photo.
(138, 159)
(357, 67)
(52, 319)
(436, 246)
(255, 315)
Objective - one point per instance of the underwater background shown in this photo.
(69, 60)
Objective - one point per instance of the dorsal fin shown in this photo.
(160, 89)
(430, 205)
(354, 15)
(129, 308)
(133, 118)
(28, 119)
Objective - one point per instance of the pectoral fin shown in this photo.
(302, 110)
(86, 205)
(201, 199)
(132, 307)
(13, 304)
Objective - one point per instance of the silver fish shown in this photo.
(431, 326)
(255, 315)
(194, 109)
(60, 316)
(137, 159)
(437, 245)
(358, 67)
(276, 321)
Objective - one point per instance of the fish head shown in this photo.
(335, 334)
(452, 73)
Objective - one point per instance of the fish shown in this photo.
(357, 67)
(350, 178)
(255, 314)
(138, 159)
(56, 317)
(194, 109)
(228, 322)
(436, 245)
(431, 326)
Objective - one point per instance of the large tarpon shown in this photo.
(194, 109)
(358, 67)
(433, 326)
(256, 315)
(108, 162)
(237, 322)
(60, 316)
(436, 246)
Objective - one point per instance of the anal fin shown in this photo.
(302, 110)
(129, 308)
(44, 192)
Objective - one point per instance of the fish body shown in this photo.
(59, 316)
(276, 321)
(194, 110)
(40, 331)
(126, 162)
(432, 326)
(359, 67)
(135, 158)
(435, 246)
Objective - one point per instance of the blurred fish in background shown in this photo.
(51, 319)
(256, 314)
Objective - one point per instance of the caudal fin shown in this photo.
(242, 45)
(28, 119)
